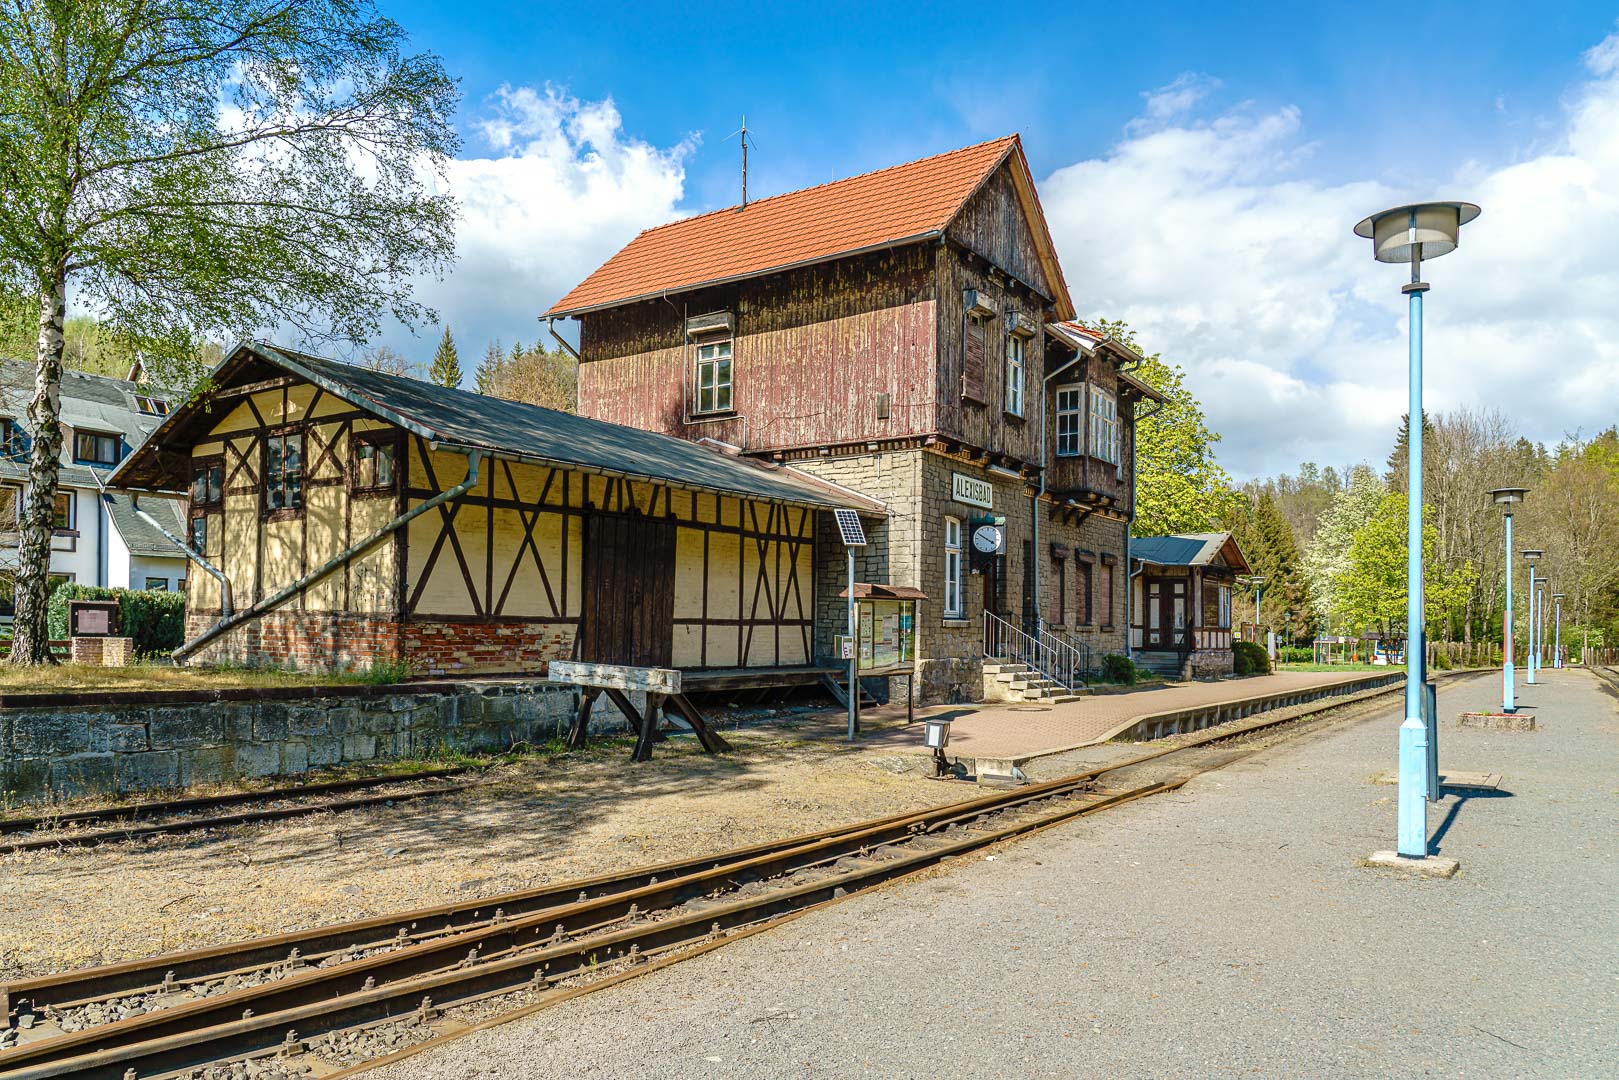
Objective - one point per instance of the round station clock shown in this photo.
(987, 538)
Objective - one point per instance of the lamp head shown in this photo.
(1558, 595)
(1426, 230)
(1507, 496)
(1532, 555)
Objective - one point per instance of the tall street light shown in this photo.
(1258, 582)
(1408, 234)
(1531, 556)
(1507, 498)
(1540, 623)
(1557, 641)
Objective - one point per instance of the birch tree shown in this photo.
(187, 168)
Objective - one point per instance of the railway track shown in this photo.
(123, 823)
(327, 1001)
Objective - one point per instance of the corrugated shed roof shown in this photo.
(463, 420)
(903, 203)
(1188, 549)
(138, 535)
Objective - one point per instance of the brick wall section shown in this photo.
(106, 651)
(48, 752)
(339, 641)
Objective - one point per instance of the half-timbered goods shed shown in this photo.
(1182, 602)
(906, 333)
(341, 516)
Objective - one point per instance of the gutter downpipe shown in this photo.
(214, 571)
(270, 603)
(551, 327)
(1129, 530)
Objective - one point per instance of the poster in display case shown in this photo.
(886, 627)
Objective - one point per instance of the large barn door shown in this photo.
(629, 586)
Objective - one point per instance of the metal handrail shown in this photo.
(1084, 662)
(1063, 662)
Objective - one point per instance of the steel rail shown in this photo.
(519, 941)
(206, 802)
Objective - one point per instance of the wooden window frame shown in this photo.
(1017, 369)
(712, 365)
(954, 607)
(1107, 576)
(72, 526)
(164, 587)
(1060, 572)
(116, 439)
(203, 464)
(1084, 595)
(191, 531)
(282, 513)
(394, 441)
(1076, 414)
(14, 442)
(1103, 429)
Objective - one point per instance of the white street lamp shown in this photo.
(1532, 556)
(1507, 498)
(1409, 234)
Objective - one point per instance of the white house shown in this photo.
(99, 539)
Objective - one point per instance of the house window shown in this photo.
(952, 568)
(13, 439)
(1082, 595)
(1070, 406)
(62, 513)
(1107, 594)
(157, 584)
(93, 448)
(199, 534)
(714, 377)
(1104, 426)
(10, 507)
(207, 482)
(1015, 345)
(151, 406)
(284, 473)
(374, 455)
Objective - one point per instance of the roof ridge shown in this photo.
(1012, 138)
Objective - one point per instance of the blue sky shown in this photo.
(1202, 172)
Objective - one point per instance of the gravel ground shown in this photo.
(543, 820)
(1225, 928)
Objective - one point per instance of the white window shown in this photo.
(1014, 374)
(952, 568)
(714, 377)
(1104, 426)
(1070, 406)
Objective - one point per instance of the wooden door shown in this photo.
(1168, 620)
(629, 591)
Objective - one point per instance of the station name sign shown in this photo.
(972, 491)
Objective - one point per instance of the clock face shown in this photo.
(987, 538)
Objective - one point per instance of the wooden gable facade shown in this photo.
(534, 562)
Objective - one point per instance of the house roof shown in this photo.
(89, 402)
(461, 420)
(139, 536)
(1189, 549)
(899, 205)
(1086, 341)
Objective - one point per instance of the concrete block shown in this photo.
(152, 769)
(258, 759)
(44, 733)
(309, 719)
(126, 738)
(28, 778)
(294, 757)
(270, 723)
(1436, 866)
(324, 749)
(207, 764)
(1520, 721)
(359, 747)
(85, 774)
(184, 729)
(342, 719)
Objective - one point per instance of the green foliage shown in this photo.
(385, 672)
(1295, 654)
(1249, 659)
(156, 621)
(1327, 560)
(535, 376)
(1179, 486)
(1117, 668)
(1266, 539)
(1371, 589)
(446, 369)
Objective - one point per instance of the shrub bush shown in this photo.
(1296, 654)
(155, 620)
(1249, 659)
(1117, 668)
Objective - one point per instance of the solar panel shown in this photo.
(849, 528)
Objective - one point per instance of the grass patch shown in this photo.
(68, 678)
(1338, 667)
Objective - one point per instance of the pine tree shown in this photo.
(446, 370)
(487, 378)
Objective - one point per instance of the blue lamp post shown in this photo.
(1557, 638)
(1531, 556)
(1507, 498)
(1409, 234)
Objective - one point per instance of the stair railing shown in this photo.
(1063, 662)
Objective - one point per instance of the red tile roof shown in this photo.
(907, 202)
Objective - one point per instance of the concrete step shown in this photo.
(999, 668)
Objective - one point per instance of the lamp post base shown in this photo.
(1428, 865)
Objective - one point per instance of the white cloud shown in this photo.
(1178, 97)
(563, 189)
(1213, 241)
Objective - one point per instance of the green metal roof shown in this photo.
(1188, 549)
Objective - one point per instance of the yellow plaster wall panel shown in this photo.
(283, 554)
(330, 405)
(238, 419)
(298, 399)
(372, 575)
(242, 460)
(325, 509)
(688, 649)
(268, 403)
(724, 579)
(241, 540)
(722, 650)
(320, 464)
(688, 573)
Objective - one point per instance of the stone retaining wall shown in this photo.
(81, 746)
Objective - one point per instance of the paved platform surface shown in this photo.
(1016, 729)
(1223, 929)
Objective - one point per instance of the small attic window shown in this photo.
(151, 406)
